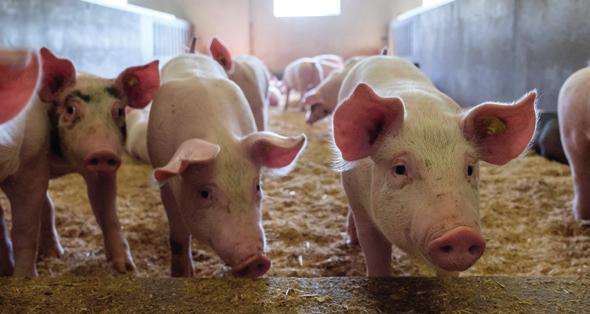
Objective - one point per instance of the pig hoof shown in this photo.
(6, 270)
(53, 250)
(124, 267)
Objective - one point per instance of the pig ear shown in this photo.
(220, 53)
(57, 75)
(501, 131)
(271, 150)
(19, 73)
(190, 152)
(139, 84)
(362, 118)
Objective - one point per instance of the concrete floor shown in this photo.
(303, 295)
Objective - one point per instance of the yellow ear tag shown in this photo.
(221, 60)
(132, 81)
(495, 126)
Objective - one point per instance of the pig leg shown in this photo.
(102, 193)
(181, 263)
(6, 257)
(49, 245)
(351, 229)
(581, 177)
(287, 99)
(26, 192)
(375, 246)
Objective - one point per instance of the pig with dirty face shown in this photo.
(207, 155)
(410, 157)
(76, 125)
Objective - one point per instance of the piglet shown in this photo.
(409, 158)
(207, 155)
(77, 124)
(252, 77)
(19, 74)
(302, 75)
(321, 100)
(573, 111)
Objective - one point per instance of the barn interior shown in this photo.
(537, 256)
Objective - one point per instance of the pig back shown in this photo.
(211, 109)
(191, 65)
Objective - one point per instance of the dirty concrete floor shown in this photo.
(525, 209)
(296, 295)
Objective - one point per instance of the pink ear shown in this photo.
(190, 152)
(140, 84)
(501, 131)
(220, 53)
(361, 118)
(19, 73)
(57, 75)
(272, 150)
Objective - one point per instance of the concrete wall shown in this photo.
(481, 50)
(98, 39)
(249, 27)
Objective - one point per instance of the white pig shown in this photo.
(410, 161)
(573, 111)
(329, 63)
(321, 100)
(207, 155)
(301, 75)
(136, 142)
(252, 77)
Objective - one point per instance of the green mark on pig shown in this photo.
(495, 126)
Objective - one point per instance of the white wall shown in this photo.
(249, 27)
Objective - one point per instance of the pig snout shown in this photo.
(252, 267)
(102, 162)
(457, 249)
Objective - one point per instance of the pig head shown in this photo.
(424, 166)
(88, 112)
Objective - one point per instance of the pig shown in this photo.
(19, 74)
(136, 142)
(274, 96)
(409, 161)
(75, 124)
(251, 75)
(329, 63)
(321, 100)
(573, 111)
(301, 75)
(547, 141)
(207, 154)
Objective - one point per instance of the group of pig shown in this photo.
(408, 154)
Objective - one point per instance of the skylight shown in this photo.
(290, 8)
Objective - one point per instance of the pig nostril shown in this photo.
(474, 249)
(112, 162)
(446, 248)
(94, 161)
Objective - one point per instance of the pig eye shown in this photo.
(70, 110)
(400, 170)
(469, 170)
(118, 112)
(327, 112)
(204, 194)
(258, 187)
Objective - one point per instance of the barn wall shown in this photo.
(249, 27)
(481, 50)
(98, 39)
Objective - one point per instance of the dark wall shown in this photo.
(477, 50)
(99, 39)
